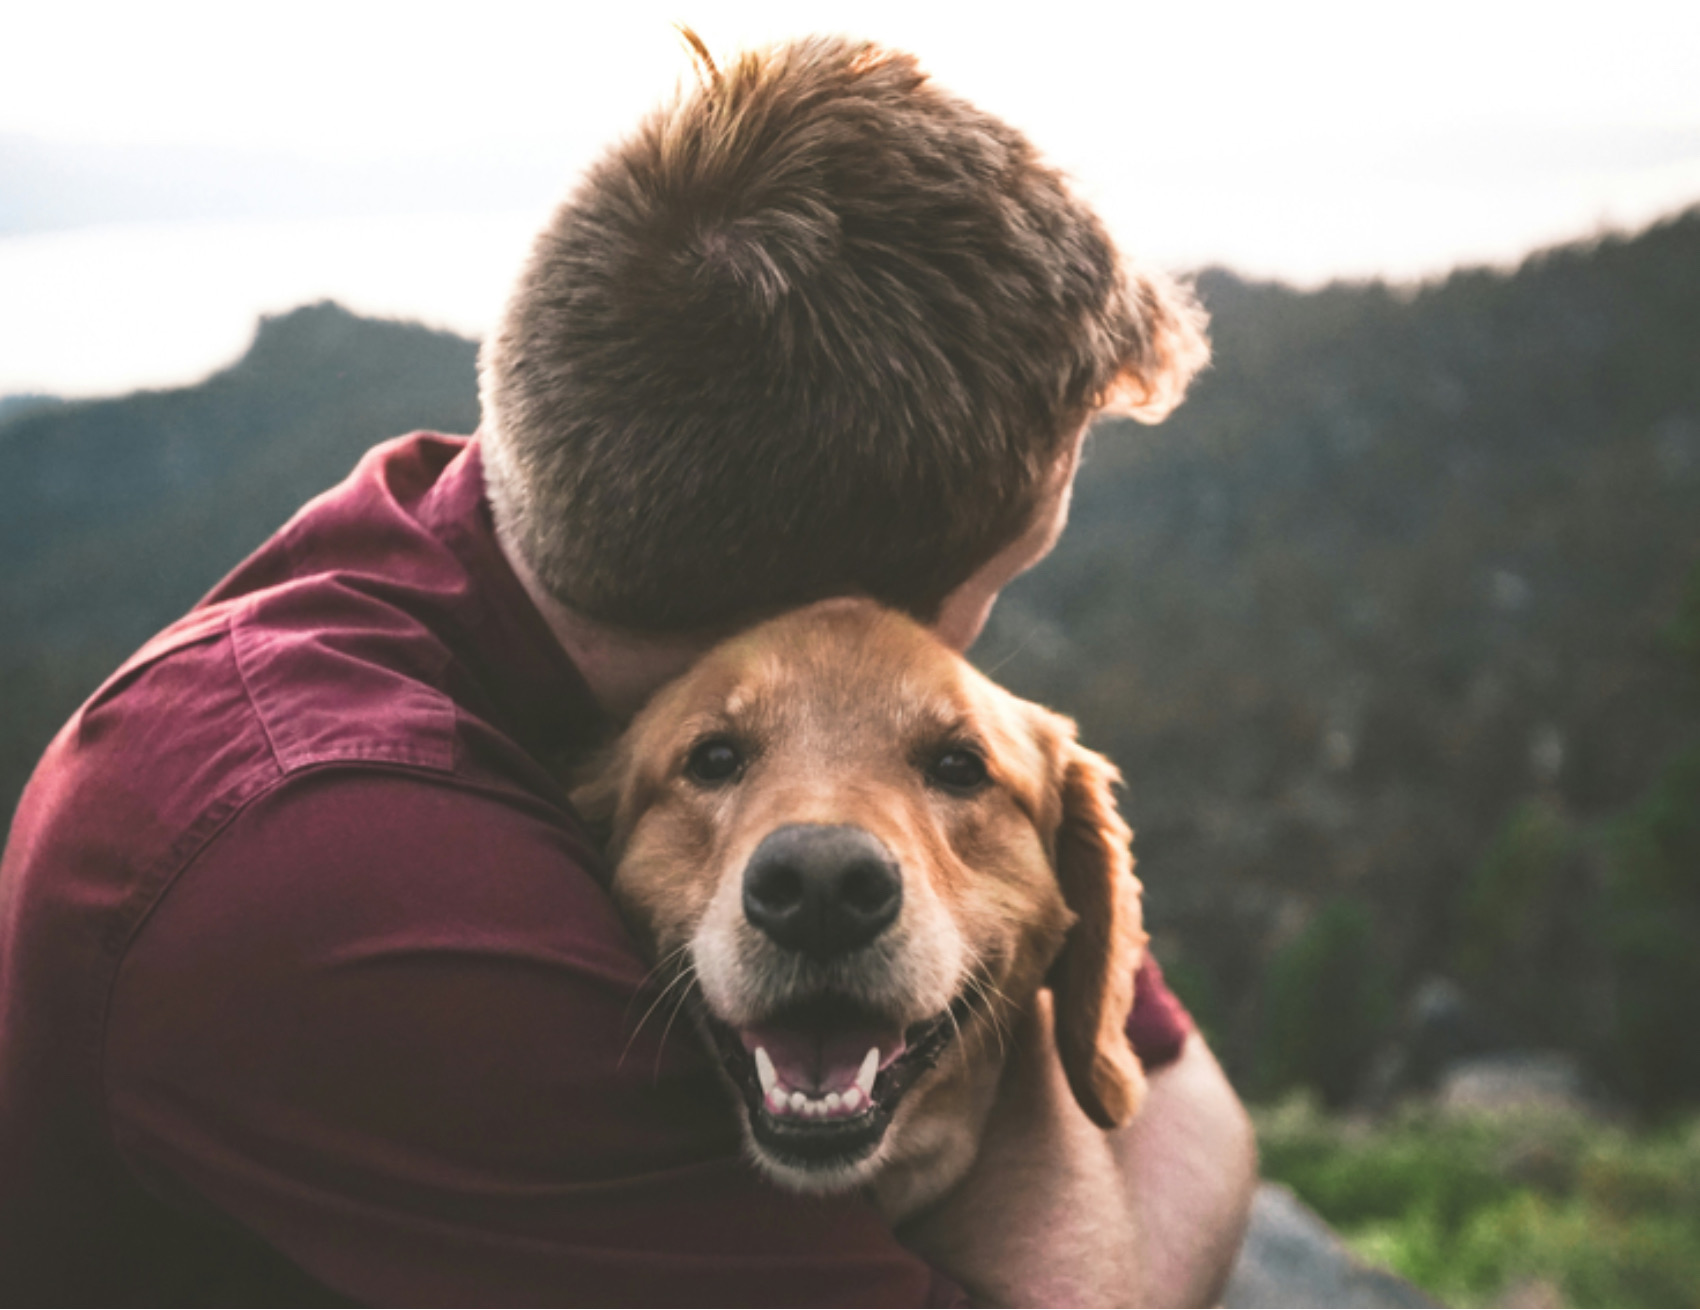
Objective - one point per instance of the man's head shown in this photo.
(817, 327)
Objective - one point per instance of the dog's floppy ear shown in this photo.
(596, 787)
(1093, 977)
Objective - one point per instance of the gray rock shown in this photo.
(1514, 1082)
(1292, 1258)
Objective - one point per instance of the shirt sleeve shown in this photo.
(1158, 1025)
(388, 1025)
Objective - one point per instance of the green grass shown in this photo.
(1481, 1209)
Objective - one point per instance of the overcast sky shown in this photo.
(1304, 140)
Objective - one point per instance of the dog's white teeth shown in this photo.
(784, 1100)
(868, 1072)
(765, 1071)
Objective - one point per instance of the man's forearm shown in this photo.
(1189, 1161)
(1058, 1212)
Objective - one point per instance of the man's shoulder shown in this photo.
(346, 643)
(334, 673)
(338, 627)
(236, 696)
(351, 635)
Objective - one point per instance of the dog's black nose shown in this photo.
(823, 890)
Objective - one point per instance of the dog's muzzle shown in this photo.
(822, 1072)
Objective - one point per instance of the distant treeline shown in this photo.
(1394, 630)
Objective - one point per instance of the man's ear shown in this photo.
(1093, 977)
(1170, 345)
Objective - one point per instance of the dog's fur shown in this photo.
(852, 717)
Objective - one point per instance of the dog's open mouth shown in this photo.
(821, 1080)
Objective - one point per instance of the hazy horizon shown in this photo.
(173, 173)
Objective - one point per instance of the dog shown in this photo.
(864, 860)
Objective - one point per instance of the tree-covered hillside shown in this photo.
(1394, 629)
(1388, 603)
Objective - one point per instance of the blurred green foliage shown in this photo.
(1196, 989)
(1683, 633)
(1517, 877)
(1586, 936)
(1481, 1210)
(1653, 937)
(1526, 934)
(1329, 999)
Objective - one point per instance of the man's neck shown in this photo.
(622, 669)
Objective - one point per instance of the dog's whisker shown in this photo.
(998, 1001)
(684, 996)
(660, 997)
(664, 966)
(955, 1023)
(988, 1006)
(683, 978)
(680, 988)
(989, 989)
(1019, 646)
(978, 1032)
(991, 1002)
(994, 1002)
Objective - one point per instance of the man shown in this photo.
(311, 988)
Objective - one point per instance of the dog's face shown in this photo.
(867, 859)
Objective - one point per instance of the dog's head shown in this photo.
(867, 859)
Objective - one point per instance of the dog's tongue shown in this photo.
(821, 1060)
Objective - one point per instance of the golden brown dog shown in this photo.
(865, 860)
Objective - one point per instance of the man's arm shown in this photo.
(1190, 1162)
(1058, 1212)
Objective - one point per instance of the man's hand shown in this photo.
(1058, 1212)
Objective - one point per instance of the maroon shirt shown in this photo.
(309, 986)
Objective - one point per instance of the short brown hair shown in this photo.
(818, 327)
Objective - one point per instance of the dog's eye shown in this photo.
(713, 762)
(958, 769)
